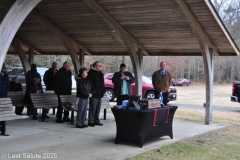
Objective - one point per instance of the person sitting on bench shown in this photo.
(34, 87)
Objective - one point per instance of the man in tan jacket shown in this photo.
(161, 81)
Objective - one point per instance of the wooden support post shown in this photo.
(81, 57)
(30, 56)
(204, 42)
(10, 20)
(23, 58)
(208, 59)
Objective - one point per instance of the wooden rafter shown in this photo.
(194, 24)
(55, 29)
(114, 24)
(220, 23)
(36, 50)
(17, 47)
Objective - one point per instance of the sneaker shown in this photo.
(34, 117)
(66, 120)
(85, 125)
(79, 126)
(98, 124)
(91, 124)
(59, 121)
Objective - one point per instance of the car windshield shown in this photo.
(146, 80)
(179, 79)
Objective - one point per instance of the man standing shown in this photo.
(161, 81)
(4, 81)
(122, 81)
(95, 77)
(49, 75)
(63, 86)
(31, 73)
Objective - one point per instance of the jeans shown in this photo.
(82, 111)
(94, 110)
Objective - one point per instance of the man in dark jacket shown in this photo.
(29, 78)
(4, 81)
(95, 77)
(49, 75)
(122, 81)
(31, 73)
(15, 85)
(34, 86)
(63, 86)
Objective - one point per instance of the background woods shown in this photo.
(226, 69)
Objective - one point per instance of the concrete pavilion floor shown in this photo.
(93, 143)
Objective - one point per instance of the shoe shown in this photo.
(79, 126)
(85, 126)
(59, 121)
(47, 117)
(91, 124)
(34, 117)
(66, 120)
(98, 124)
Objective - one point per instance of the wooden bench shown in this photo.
(47, 100)
(7, 114)
(72, 99)
(17, 98)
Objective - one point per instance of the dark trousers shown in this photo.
(60, 110)
(18, 110)
(165, 97)
(94, 110)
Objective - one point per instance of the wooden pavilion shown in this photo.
(115, 27)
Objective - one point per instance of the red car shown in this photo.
(181, 82)
(147, 88)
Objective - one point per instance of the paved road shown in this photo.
(227, 109)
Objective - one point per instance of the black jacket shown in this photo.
(83, 87)
(63, 82)
(118, 82)
(29, 76)
(32, 88)
(48, 79)
(15, 86)
(97, 83)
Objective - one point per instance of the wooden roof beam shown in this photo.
(29, 46)
(114, 24)
(194, 24)
(222, 26)
(55, 29)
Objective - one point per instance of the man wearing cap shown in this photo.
(34, 87)
(122, 81)
(31, 73)
(29, 78)
(161, 80)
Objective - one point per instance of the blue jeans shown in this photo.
(94, 110)
(82, 111)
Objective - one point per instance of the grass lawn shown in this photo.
(222, 144)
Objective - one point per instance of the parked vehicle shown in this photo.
(235, 92)
(181, 82)
(18, 72)
(147, 88)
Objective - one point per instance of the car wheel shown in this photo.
(150, 95)
(110, 94)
